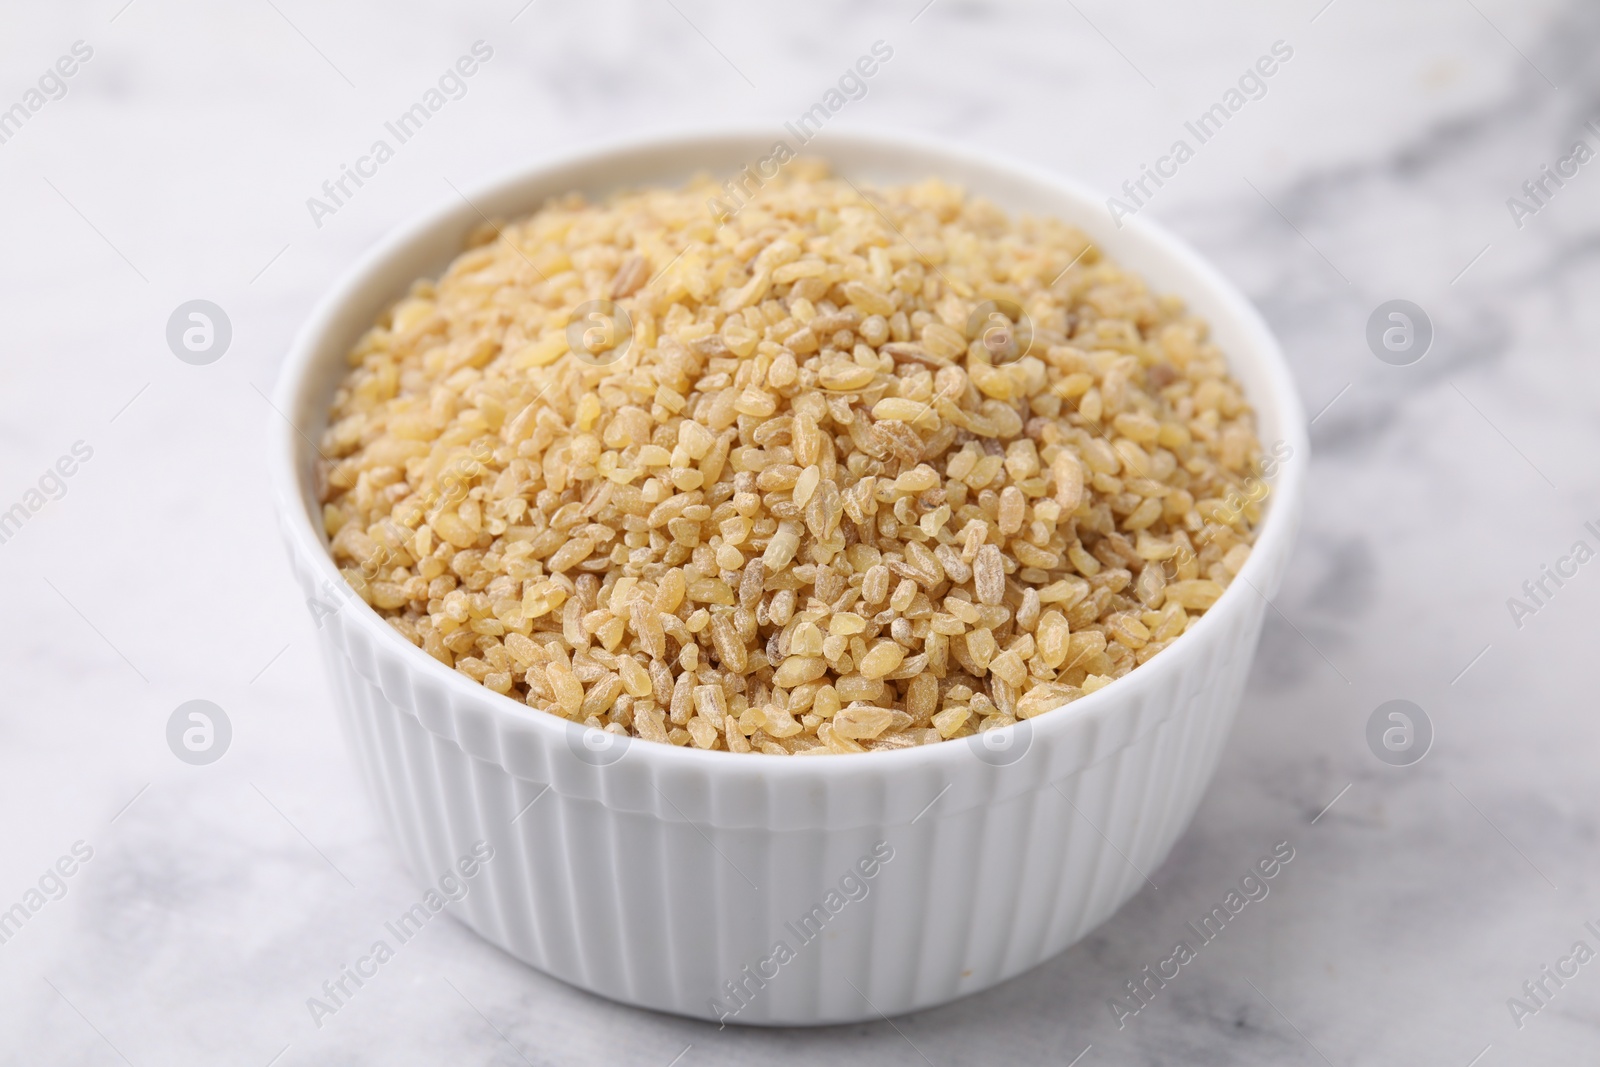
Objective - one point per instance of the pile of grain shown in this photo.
(824, 500)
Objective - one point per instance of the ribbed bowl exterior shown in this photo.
(669, 878)
(656, 883)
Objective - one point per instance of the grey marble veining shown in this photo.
(1377, 166)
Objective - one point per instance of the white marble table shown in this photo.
(1376, 166)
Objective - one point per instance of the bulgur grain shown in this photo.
(803, 509)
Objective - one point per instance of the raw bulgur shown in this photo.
(816, 504)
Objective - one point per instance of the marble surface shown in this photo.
(1376, 166)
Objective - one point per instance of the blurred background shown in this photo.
(174, 163)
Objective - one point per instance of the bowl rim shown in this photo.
(306, 540)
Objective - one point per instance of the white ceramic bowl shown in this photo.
(667, 877)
